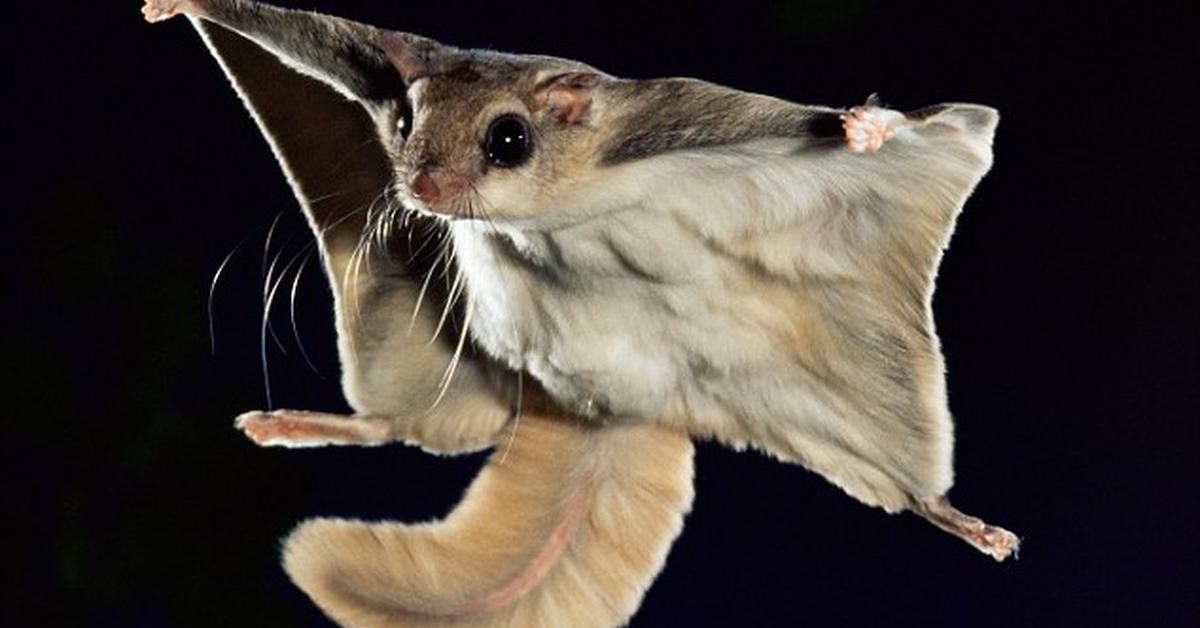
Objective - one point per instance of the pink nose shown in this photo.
(435, 187)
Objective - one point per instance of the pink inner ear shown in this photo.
(568, 97)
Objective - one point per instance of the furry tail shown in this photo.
(567, 527)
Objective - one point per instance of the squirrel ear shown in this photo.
(414, 56)
(566, 97)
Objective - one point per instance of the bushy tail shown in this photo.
(567, 526)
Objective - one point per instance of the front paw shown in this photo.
(159, 10)
(868, 128)
(299, 428)
(259, 427)
(285, 428)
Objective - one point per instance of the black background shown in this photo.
(1065, 306)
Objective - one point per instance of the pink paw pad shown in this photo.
(867, 128)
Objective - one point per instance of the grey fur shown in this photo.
(344, 53)
(680, 114)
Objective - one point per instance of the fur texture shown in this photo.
(777, 294)
(672, 258)
(569, 522)
(565, 528)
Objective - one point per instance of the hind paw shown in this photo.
(996, 542)
(989, 539)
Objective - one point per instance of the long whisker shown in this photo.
(324, 197)
(366, 240)
(266, 371)
(212, 291)
(279, 282)
(353, 357)
(292, 311)
(267, 326)
(440, 259)
(477, 198)
(268, 303)
(271, 288)
(337, 223)
(451, 298)
(512, 437)
(381, 222)
(444, 386)
(267, 273)
(267, 243)
(375, 234)
(350, 278)
(412, 255)
(396, 215)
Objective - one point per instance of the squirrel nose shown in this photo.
(436, 186)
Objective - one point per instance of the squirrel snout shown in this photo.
(435, 187)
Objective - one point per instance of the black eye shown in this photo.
(507, 143)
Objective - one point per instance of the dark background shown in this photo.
(1065, 306)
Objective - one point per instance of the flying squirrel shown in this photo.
(633, 263)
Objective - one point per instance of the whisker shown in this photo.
(267, 290)
(266, 371)
(342, 292)
(350, 278)
(376, 231)
(380, 222)
(321, 236)
(272, 283)
(440, 237)
(267, 243)
(268, 300)
(512, 437)
(212, 291)
(335, 224)
(452, 368)
(441, 258)
(477, 196)
(451, 299)
(292, 311)
(354, 266)
(349, 282)
(324, 197)
(279, 282)
(267, 276)
(268, 303)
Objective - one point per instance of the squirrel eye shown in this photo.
(507, 142)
